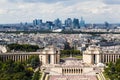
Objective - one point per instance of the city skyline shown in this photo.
(93, 11)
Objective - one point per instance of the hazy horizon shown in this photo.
(93, 11)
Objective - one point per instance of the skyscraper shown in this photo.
(76, 23)
(49, 24)
(106, 25)
(68, 22)
(58, 23)
(37, 22)
(82, 23)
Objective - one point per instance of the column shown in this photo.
(74, 71)
(62, 71)
(71, 71)
(20, 58)
(57, 57)
(25, 57)
(81, 71)
(5, 58)
(113, 57)
(105, 58)
(65, 71)
(108, 57)
(12, 57)
(118, 56)
(52, 59)
(15, 57)
(77, 71)
(102, 58)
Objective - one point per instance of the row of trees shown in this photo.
(113, 70)
(70, 52)
(11, 70)
(23, 47)
(64, 32)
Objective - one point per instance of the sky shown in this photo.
(93, 11)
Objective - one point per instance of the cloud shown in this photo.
(27, 10)
(2, 11)
(48, 1)
(35, 1)
(112, 1)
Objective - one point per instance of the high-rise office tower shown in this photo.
(106, 25)
(76, 23)
(49, 24)
(68, 22)
(37, 22)
(82, 23)
(58, 23)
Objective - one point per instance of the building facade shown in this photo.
(94, 55)
(49, 55)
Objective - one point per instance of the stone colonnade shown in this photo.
(16, 57)
(72, 70)
(106, 58)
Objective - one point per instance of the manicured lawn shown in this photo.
(63, 57)
(78, 57)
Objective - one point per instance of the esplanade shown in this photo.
(94, 58)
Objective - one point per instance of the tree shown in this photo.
(34, 61)
(23, 47)
(36, 76)
(14, 71)
(113, 70)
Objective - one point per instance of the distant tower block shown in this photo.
(92, 55)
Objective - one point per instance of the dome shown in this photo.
(100, 65)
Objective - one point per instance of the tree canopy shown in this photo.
(11, 70)
(70, 52)
(113, 70)
(23, 47)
